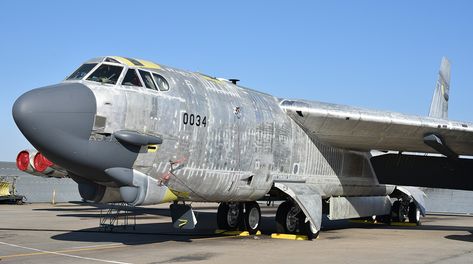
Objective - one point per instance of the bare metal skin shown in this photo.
(208, 139)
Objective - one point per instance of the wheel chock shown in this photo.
(235, 233)
(289, 236)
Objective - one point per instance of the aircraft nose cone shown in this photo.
(54, 117)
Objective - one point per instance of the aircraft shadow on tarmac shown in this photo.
(465, 238)
(145, 233)
(151, 232)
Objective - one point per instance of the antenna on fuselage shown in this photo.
(234, 81)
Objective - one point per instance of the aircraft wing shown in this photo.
(360, 129)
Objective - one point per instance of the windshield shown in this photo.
(82, 71)
(106, 74)
(146, 76)
(131, 78)
(161, 82)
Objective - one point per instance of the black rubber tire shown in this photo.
(385, 219)
(305, 228)
(250, 208)
(222, 219)
(281, 215)
(414, 214)
(396, 214)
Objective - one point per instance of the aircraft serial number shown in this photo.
(194, 120)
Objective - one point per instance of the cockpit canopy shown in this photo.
(122, 71)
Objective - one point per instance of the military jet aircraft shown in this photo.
(134, 131)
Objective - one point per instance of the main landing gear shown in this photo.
(243, 216)
(402, 210)
(291, 220)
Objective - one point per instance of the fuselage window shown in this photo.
(106, 74)
(82, 71)
(131, 78)
(146, 76)
(161, 82)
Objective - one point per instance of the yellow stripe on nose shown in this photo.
(149, 64)
(123, 61)
(137, 63)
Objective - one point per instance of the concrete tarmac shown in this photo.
(70, 233)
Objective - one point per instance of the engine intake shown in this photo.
(98, 193)
(138, 188)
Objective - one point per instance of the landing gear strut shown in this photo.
(233, 216)
(291, 220)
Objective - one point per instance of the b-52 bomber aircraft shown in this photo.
(130, 130)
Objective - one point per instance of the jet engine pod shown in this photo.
(47, 168)
(140, 189)
(25, 162)
(98, 193)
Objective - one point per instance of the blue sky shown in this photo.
(374, 54)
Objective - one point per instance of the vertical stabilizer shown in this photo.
(439, 105)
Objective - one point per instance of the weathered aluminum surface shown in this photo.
(361, 129)
(248, 143)
(355, 207)
(308, 198)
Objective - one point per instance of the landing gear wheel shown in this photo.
(291, 220)
(307, 228)
(414, 214)
(229, 216)
(397, 212)
(385, 219)
(252, 217)
(287, 218)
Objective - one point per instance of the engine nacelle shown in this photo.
(42, 165)
(140, 189)
(98, 193)
(33, 162)
(25, 162)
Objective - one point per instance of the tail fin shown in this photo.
(439, 105)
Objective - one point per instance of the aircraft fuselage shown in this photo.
(228, 143)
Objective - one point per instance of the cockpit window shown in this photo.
(106, 74)
(131, 78)
(146, 76)
(82, 71)
(111, 60)
(161, 82)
